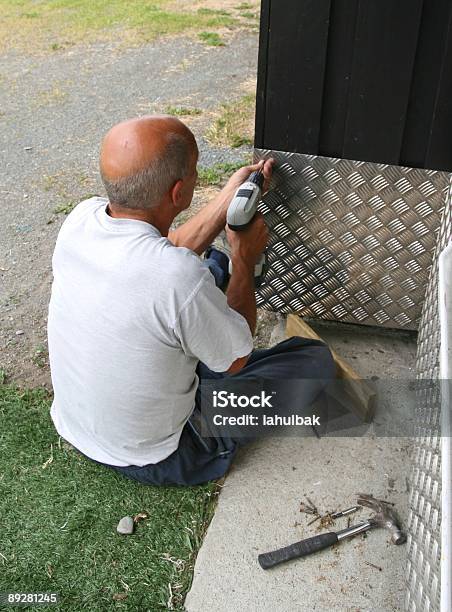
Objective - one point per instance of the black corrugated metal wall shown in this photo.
(357, 79)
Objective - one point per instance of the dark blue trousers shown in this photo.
(198, 459)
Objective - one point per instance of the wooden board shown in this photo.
(357, 79)
(425, 87)
(384, 51)
(338, 74)
(439, 152)
(355, 394)
(295, 73)
(262, 62)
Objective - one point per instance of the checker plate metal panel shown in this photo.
(350, 241)
(424, 525)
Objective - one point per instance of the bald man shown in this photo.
(137, 318)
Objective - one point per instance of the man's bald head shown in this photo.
(141, 160)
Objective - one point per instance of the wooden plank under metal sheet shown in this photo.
(355, 393)
(385, 48)
(428, 66)
(295, 73)
(439, 152)
(341, 40)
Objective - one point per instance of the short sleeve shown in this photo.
(210, 330)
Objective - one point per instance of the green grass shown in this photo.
(68, 207)
(212, 39)
(55, 24)
(59, 513)
(182, 111)
(248, 15)
(209, 11)
(235, 125)
(209, 176)
(216, 174)
(64, 209)
(40, 356)
(238, 140)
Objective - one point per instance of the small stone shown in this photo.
(125, 526)
(20, 332)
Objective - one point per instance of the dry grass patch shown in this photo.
(234, 126)
(52, 96)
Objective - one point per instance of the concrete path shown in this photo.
(259, 505)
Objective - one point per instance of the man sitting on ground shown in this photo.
(136, 318)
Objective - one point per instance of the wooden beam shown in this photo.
(426, 89)
(439, 155)
(355, 393)
(341, 40)
(383, 59)
(262, 63)
(297, 47)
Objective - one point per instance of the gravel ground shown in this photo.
(54, 111)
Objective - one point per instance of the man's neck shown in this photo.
(148, 216)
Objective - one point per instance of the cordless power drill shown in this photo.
(242, 209)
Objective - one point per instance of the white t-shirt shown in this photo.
(130, 316)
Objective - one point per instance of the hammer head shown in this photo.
(385, 516)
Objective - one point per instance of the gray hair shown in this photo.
(146, 188)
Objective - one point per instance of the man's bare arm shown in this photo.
(241, 298)
(199, 232)
(246, 248)
(240, 293)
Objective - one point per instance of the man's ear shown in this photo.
(176, 193)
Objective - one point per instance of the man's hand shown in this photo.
(198, 232)
(242, 174)
(249, 244)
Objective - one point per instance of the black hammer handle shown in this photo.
(299, 549)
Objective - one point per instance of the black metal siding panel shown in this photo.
(358, 79)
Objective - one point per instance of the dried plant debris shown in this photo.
(314, 520)
(327, 519)
(119, 596)
(365, 499)
(308, 507)
(377, 567)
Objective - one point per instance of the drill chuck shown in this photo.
(257, 177)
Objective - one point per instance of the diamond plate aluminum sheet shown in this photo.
(350, 241)
(424, 525)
